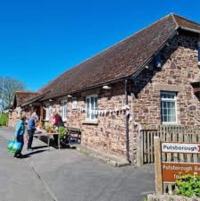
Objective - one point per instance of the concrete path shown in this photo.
(18, 181)
(67, 175)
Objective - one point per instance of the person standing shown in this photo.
(19, 135)
(58, 122)
(31, 129)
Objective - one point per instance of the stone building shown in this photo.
(19, 98)
(151, 78)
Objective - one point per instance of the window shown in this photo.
(74, 103)
(64, 110)
(91, 107)
(48, 112)
(168, 108)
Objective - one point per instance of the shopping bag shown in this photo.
(10, 145)
(16, 146)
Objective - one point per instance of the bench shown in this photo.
(74, 135)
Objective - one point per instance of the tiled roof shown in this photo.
(22, 96)
(120, 61)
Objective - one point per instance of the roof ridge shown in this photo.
(173, 17)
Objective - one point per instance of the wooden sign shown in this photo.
(181, 148)
(172, 171)
(166, 173)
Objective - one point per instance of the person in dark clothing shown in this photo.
(31, 130)
(19, 135)
(58, 122)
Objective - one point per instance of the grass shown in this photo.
(3, 119)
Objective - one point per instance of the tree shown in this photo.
(8, 87)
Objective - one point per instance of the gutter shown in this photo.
(189, 29)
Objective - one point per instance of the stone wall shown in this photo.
(107, 134)
(180, 68)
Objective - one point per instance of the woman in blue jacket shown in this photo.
(19, 135)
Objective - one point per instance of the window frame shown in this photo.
(74, 103)
(48, 111)
(174, 100)
(86, 108)
(64, 109)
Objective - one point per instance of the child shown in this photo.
(19, 135)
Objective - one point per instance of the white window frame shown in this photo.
(64, 110)
(48, 113)
(162, 99)
(74, 103)
(90, 118)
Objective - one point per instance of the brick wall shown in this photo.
(107, 135)
(180, 68)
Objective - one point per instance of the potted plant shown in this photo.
(63, 134)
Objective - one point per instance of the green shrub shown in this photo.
(62, 132)
(188, 185)
(3, 119)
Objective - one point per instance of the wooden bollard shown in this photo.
(158, 170)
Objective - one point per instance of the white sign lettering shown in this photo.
(181, 148)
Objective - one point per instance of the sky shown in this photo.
(40, 39)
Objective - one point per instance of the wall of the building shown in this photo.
(15, 114)
(108, 135)
(180, 68)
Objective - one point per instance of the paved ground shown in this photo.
(67, 175)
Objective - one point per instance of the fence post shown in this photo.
(140, 159)
(158, 170)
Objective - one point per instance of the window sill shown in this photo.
(170, 123)
(90, 122)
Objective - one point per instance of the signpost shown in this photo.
(170, 171)
(181, 148)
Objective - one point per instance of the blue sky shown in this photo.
(40, 39)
